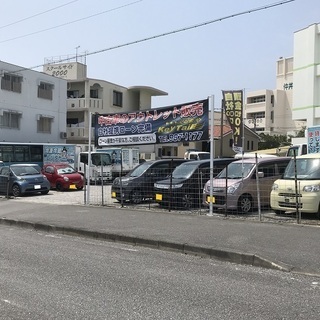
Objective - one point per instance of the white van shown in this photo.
(285, 197)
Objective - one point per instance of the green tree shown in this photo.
(268, 141)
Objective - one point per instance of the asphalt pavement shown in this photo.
(287, 247)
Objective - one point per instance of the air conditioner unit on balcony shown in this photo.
(63, 135)
(72, 105)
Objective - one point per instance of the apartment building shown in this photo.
(270, 111)
(306, 75)
(85, 96)
(32, 106)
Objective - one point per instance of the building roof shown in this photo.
(152, 91)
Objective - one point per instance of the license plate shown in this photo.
(113, 194)
(158, 197)
(213, 200)
(37, 186)
(72, 186)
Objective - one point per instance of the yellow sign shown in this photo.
(158, 197)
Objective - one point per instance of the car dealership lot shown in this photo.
(99, 196)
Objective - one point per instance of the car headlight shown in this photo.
(124, 183)
(177, 186)
(66, 179)
(275, 187)
(311, 188)
(233, 188)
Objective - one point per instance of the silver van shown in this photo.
(238, 185)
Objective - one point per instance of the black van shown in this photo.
(184, 189)
(137, 185)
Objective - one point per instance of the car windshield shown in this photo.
(236, 171)
(23, 171)
(65, 170)
(204, 156)
(99, 159)
(184, 171)
(305, 169)
(139, 170)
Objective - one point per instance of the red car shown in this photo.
(62, 176)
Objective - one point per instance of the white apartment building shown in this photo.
(32, 106)
(270, 111)
(86, 95)
(306, 76)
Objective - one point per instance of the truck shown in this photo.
(99, 170)
(107, 163)
(123, 160)
(196, 155)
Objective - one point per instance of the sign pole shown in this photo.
(212, 151)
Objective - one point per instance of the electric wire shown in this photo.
(37, 14)
(71, 22)
(166, 33)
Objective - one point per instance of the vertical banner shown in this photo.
(314, 139)
(233, 107)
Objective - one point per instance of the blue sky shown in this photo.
(235, 53)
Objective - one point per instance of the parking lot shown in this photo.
(101, 196)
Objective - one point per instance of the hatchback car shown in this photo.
(137, 185)
(184, 188)
(21, 179)
(63, 177)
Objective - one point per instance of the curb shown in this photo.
(203, 251)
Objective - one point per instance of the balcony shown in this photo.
(76, 104)
(79, 133)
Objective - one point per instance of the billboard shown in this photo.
(233, 107)
(187, 122)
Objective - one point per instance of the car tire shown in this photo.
(45, 192)
(79, 188)
(245, 204)
(136, 196)
(59, 187)
(278, 212)
(187, 201)
(16, 190)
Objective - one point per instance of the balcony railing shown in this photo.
(84, 103)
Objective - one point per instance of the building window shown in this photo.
(256, 99)
(117, 98)
(272, 100)
(272, 116)
(10, 119)
(256, 115)
(11, 82)
(94, 93)
(45, 90)
(44, 124)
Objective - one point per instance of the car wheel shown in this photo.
(79, 188)
(187, 201)
(278, 211)
(136, 197)
(59, 186)
(245, 204)
(16, 190)
(45, 192)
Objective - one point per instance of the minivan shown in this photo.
(137, 185)
(184, 188)
(237, 186)
(299, 187)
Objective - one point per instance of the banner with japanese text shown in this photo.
(233, 107)
(314, 139)
(187, 122)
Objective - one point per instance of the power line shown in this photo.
(37, 14)
(171, 32)
(71, 22)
